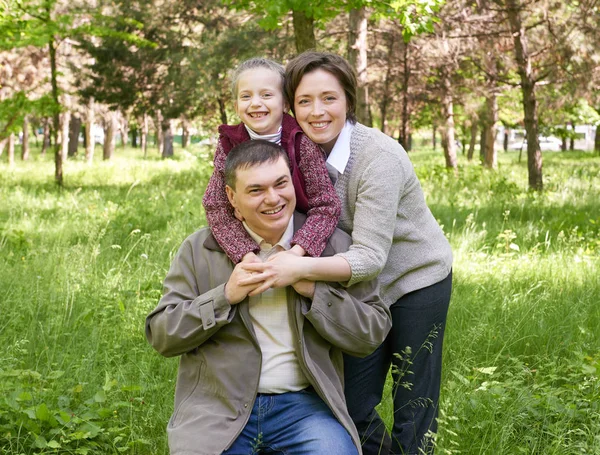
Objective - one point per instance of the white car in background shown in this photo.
(547, 143)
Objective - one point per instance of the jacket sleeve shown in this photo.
(184, 319)
(226, 228)
(353, 319)
(324, 206)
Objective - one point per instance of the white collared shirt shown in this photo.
(340, 154)
(280, 370)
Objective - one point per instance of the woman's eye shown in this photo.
(301, 102)
(330, 98)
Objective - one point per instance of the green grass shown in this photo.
(82, 266)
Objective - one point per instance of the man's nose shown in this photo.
(271, 196)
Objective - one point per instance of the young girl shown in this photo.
(261, 106)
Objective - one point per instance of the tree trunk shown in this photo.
(434, 135)
(505, 140)
(473, 139)
(357, 57)
(58, 160)
(167, 133)
(448, 130)
(159, 132)
(3, 143)
(45, 137)
(383, 106)
(405, 122)
(185, 133)
(144, 136)
(124, 130)
(222, 111)
(490, 158)
(534, 154)
(597, 140)
(109, 136)
(304, 31)
(572, 141)
(482, 140)
(25, 146)
(74, 130)
(89, 132)
(65, 121)
(134, 136)
(11, 149)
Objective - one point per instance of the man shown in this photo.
(261, 374)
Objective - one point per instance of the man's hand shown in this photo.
(281, 269)
(235, 290)
(305, 288)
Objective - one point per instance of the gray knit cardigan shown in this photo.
(394, 234)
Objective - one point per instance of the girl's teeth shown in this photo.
(319, 125)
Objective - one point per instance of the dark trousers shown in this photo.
(414, 350)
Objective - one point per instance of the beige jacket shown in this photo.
(220, 361)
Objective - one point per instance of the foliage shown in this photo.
(81, 267)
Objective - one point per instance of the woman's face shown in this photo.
(320, 107)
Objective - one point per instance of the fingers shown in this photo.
(260, 289)
(254, 278)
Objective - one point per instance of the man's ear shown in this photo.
(231, 196)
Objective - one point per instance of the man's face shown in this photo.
(264, 196)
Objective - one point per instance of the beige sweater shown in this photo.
(394, 235)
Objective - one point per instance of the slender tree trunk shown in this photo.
(222, 111)
(357, 57)
(58, 157)
(304, 31)
(74, 130)
(124, 130)
(159, 132)
(387, 81)
(25, 146)
(405, 122)
(45, 137)
(144, 136)
(534, 154)
(473, 140)
(89, 132)
(448, 130)
(185, 133)
(65, 120)
(505, 141)
(434, 135)
(11, 149)
(134, 137)
(597, 140)
(3, 144)
(572, 141)
(482, 140)
(490, 158)
(109, 136)
(167, 133)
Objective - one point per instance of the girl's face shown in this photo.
(320, 106)
(259, 102)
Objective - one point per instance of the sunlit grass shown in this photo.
(81, 267)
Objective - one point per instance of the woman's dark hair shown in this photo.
(310, 61)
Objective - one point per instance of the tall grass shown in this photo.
(82, 266)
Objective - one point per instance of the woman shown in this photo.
(395, 237)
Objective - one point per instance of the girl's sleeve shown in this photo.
(323, 203)
(226, 228)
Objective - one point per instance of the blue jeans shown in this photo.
(294, 423)
(418, 321)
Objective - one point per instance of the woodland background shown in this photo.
(108, 116)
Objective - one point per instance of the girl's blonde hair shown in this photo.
(253, 63)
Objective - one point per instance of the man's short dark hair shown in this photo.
(249, 154)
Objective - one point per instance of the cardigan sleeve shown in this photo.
(226, 228)
(380, 187)
(324, 206)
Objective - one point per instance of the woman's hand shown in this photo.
(282, 269)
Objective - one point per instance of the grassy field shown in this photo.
(81, 267)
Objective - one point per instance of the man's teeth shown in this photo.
(319, 124)
(271, 212)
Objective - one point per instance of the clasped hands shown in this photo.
(252, 276)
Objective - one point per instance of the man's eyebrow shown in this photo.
(252, 186)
